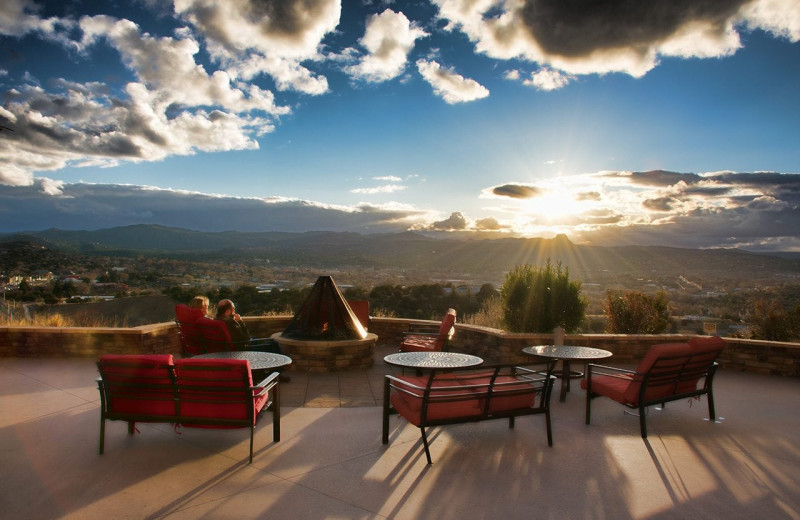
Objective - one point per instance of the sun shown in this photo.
(554, 206)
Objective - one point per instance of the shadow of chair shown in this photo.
(667, 372)
(428, 338)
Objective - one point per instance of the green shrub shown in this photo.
(633, 312)
(538, 299)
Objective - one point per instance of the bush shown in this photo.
(541, 299)
(771, 321)
(633, 312)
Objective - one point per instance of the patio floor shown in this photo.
(331, 464)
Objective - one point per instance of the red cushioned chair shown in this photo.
(192, 341)
(668, 372)
(426, 338)
(135, 388)
(219, 393)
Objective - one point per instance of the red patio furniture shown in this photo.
(668, 372)
(192, 392)
(463, 395)
(426, 338)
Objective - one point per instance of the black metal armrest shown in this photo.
(606, 370)
(267, 384)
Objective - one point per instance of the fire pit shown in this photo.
(325, 334)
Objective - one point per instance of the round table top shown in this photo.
(258, 360)
(567, 352)
(432, 359)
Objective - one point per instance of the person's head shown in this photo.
(225, 308)
(199, 302)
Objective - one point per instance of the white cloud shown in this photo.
(547, 79)
(388, 38)
(388, 188)
(449, 85)
(251, 37)
(18, 18)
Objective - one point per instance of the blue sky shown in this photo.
(618, 122)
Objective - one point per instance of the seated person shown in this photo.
(226, 311)
(199, 302)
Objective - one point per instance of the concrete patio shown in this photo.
(331, 464)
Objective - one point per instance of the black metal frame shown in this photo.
(538, 376)
(667, 373)
(169, 388)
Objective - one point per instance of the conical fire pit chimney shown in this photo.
(325, 316)
(324, 335)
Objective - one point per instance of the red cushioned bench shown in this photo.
(464, 395)
(195, 393)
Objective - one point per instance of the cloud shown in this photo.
(388, 188)
(174, 108)
(616, 35)
(450, 86)
(489, 224)
(388, 39)
(19, 17)
(44, 203)
(547, 79)
(251, 37)
(660, 204)
(455, 222)
(515, 191)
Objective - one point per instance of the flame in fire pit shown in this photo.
(325, 316)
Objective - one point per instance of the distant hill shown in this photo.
(488, 258)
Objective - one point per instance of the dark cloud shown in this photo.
(516, 191)
(659, 204)
(658, 177)
(97, 206)
(576, 28)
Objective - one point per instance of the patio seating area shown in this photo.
(331, 463)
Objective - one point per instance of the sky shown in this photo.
(665, 122)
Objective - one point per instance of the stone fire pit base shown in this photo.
(328, 356)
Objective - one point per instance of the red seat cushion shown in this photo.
(217, 389)
(502, 402)
(138, 384)
(410, 406)
(609, 386)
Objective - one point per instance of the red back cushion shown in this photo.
(216, 389)
(655, 352)
(187, 314)
(216, 334)
(448, 321)
(139, 384)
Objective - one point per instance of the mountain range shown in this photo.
(476, 258)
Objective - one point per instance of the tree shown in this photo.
(633, 312)
(540, 299)
(771, 321)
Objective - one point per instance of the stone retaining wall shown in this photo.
(763, 357)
